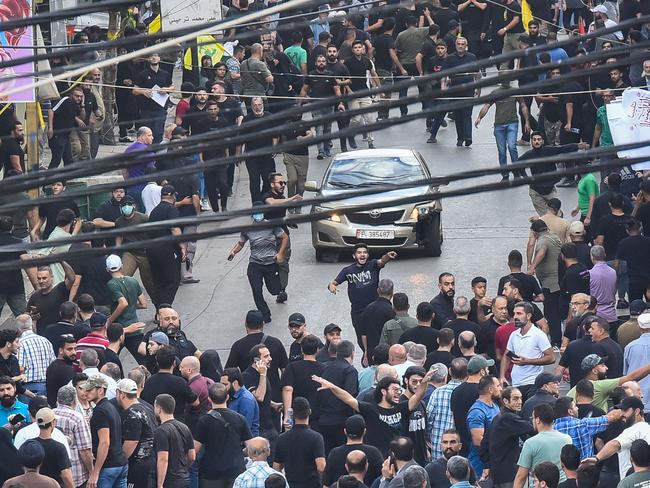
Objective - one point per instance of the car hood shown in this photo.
(374, 198)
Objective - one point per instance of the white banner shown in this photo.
(629, 122)
(177, 14)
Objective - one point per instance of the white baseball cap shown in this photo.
(601, 9)
(113, 263)
(644, 320)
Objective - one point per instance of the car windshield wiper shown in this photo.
(341, 184)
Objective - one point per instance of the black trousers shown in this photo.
(258, 174)
(165, 265)
(127, 110)
(61, 150)
(216, 186)
(258, 275)
(533, 122)
(552, 314)
(357, 323)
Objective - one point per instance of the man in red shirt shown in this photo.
(96, 339)
(501, 315)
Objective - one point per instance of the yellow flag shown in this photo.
(526, 13)
(155, 25)
(207, 46)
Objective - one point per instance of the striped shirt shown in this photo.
(34, 356)
(439, 415)
(77, 430)
(94, 341)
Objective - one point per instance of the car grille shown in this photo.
(398, 241)
(385, 218)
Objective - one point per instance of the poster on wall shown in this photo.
(14, 45)
(176, 14)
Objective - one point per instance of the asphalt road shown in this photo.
(479, 232)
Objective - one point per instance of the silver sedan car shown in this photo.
(410, 226)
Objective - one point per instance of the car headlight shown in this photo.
(419, 212)
(332, 218)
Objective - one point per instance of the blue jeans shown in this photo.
(506, 138)
(323, 129)
(113, 477)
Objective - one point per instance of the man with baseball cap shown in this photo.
(165, 259)
(596, 371)
(637, 354)
(156, 341)
(332, 335)
(630, 330)
(96, 339)
(636, 428)
(547, 386)
(111, 465)
(601, 12)
(56, 464)
(298, 330)
(127, 296)
(138, 426)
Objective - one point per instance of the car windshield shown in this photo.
(371, 171)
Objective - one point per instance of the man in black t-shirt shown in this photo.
(472, 13)
(165, 259)
(431, 59)
(385, 60)
(47, 213)
(298, 331)
(342, 76)
(105, 425)
(194, 119)
(12, 155)
(56, 463)
(216, 178)
(576, 277)
(64, 117)
(359, 66)
(138, 426)
(417, 420)
(321, 84)
(12, 286)
(220, 434)
(45, 303)
(173, 444)
(362, 278)
(152, 78)
(387, 418)
(463, 116)
(634, 250)
(512, 30)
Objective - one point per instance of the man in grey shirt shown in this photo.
(268, 247)
(255, 74)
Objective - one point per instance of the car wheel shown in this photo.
(433, 236)
(319, 255)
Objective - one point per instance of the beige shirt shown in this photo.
(628, 332)
(558, 226)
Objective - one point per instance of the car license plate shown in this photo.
(375, 234)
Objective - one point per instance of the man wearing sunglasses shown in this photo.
(275, 197)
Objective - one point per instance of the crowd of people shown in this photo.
(466, 391)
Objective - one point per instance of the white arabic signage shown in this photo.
(177, 14)
(629, 121)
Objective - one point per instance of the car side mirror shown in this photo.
(311, 186)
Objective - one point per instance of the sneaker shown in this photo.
(621, 304)
(459, 143)
(443, 123)
(371, 145)
(432, 140)
(327, 154)
(267, 320)
(189, 281)
(320, 156)
(281, 298)
(205, 205)
(352, 143)
(505, 177)
(126, 139)
(468, 142)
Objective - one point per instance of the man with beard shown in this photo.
(296, 377)
(443, 303)
(528, 350)
(547, 391)
(512, 290)
(596, 372)
(386, 417)
(450, 445)
(12, 155)
(9, 365)
(216, 178)
(241, 400)
(479, 418)
(138, 426)
(502, 443)
(298, 331)
(363, 280)
(61, 370)
(375, 315)
(194, 119)
(151, 112)
(637, 428)
(10, 405)
(259, 167)
(417, 420)
(169, 323)
(342, 76)
(540, 193)
(109, 211)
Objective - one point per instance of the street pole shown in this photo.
(109, 77)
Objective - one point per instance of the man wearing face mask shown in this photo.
(259, 167)
(528, 350)
(266, 256)
(12, 155)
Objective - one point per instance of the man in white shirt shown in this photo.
(528, 350)
(151, 192)
(637, 428)
(601, 12)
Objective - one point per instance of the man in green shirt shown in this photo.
(296, 53)
(596, 371)
(602, 134)
(127, 296)
(588, 190)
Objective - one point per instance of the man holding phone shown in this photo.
(12, 411)
(528, 350)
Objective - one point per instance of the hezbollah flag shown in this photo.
(526, 13)
(205, 46)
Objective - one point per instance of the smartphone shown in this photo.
(16, 419)
(512, 355)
